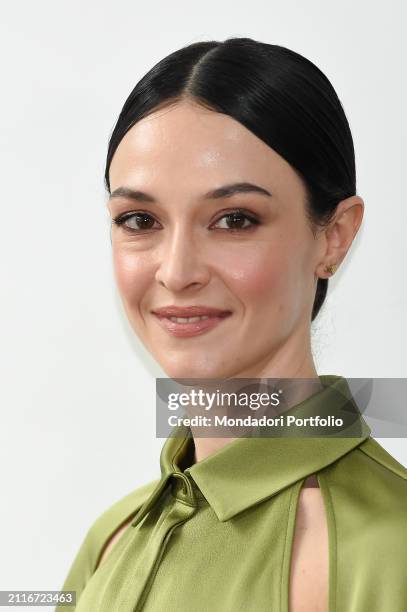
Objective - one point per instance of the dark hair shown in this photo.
(278, 94)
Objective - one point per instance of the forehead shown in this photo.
(197, 148)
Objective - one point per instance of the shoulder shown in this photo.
(378, 480)
(100, 532)
(372, 476)
(382, 457)
(120, 512)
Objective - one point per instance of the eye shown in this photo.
(140, 221)
(238, 220)
(135, 221)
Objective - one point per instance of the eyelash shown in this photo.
(119, 220)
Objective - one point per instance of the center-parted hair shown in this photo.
(276, 93)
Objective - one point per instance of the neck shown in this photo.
(288, 363)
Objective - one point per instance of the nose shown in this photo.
(181, 262)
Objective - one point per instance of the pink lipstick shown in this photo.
(189, 321)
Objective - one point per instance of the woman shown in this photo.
(232, 190)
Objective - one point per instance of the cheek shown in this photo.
(131, 273)
(258, 272)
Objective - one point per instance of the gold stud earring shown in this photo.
(331, 269)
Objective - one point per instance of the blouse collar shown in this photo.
(246, 471)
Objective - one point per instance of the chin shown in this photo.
(192, 368)
(190, 372)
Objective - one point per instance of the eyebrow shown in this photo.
(221, 192)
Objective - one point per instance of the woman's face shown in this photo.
(186, 248)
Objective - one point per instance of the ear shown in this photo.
(339, 234)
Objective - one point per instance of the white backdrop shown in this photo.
(77, 389)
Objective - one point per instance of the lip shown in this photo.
(190, 311)
(194, 328)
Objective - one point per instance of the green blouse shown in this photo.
(216, 535)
